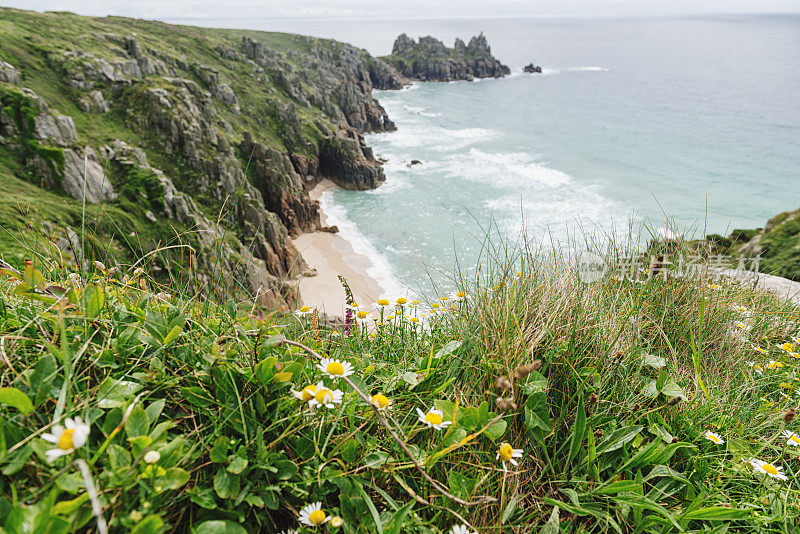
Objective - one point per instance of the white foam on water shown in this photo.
(588, 69)
(380, 270)
(516, 169)
(420, 111)
(546, 71)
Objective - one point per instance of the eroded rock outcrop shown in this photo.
(430, 60)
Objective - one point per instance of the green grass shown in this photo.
(608, 388)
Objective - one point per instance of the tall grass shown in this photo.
(608, 387)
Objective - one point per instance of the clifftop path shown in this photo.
(430, 60)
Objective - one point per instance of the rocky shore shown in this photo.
(429, 60)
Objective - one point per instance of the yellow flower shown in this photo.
(302, 312)
(788, 347)
(435, 304)
(335, 368)
(506, 453)
(756, 367)
(401, 301)
(313, 515)
(337, 522)
(308, 392)
(774, 365)
(785, 385)
(362, 316)
(766, 468)
(381, 402)
(760, 350)
(381, 303)
(792, 438)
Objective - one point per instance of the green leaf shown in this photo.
(197, 396)
(553, 524)
(148, 525)
(396, 523)
(113, 393)
(172, 336)
(656, 362)
(448, 349)
(237, 465)
(284, 376)
(274, 341)
(67, 507)
(411, 378)
(70, 482)
(496, 430)
(619, 487)
(226, 485)
(716, 513)
(578, 432)
(94, 300)
(376, 459)
(510, 508)
(618, 439)
(138, 423)
(173, 479)
(203, 497)
(16, 399)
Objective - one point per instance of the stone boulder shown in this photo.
(86, 166)
(94, 102)
(8, 73)
(55, 129)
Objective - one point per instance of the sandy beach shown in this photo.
(331, 255)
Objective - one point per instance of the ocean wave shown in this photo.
(517, 169)
(547, 71)
(380, 270)
(420, 111)
(589, 69)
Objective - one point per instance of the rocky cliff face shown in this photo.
(430, 60)
(217, 134)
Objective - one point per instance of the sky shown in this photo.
(230, 10)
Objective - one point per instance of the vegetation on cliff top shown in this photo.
(663, 405)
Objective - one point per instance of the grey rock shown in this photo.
(94, 102)
(97, 187)
(55, 129)
(8, 73)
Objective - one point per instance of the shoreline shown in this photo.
(332, 255)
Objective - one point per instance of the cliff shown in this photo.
(430, 60)
(193, 147)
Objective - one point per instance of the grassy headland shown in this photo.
(639, 406)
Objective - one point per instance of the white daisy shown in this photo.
(335, 368)
(326, 397)
(353, 306)
(68, 439)
(787, 347)
(381, 402)
(506, 453)
(766, 468)
(337, 521)
(461, 529)
(304, 311)
(401, 301)
(459, 296)
(756, 368)
(381, 304)
(313, 515)
(760, 350)
(309, 392)
(713, 437)
(433, 418)
(362, 317)
(792, 438)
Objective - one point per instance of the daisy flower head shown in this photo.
(506, 453)
(713, 437)
(67, 439)
(774, 365)
(381, 304)
(413, 304)
(335, 368)
(308, 392)
(458, 296)
(337, 521)
(313, 515)
(756, 368)
(714, 286)
(740, 309)
(788, 347)
(326, 397)
(461, 529)
(519, 274)
(766, 468)
(435, 304)
(760, 350)
(304, 311)
(433, 418)
(362, 316)
(401, 301)
(792, 439)
(381, 402)
(353, 306)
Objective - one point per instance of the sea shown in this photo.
(639, 125)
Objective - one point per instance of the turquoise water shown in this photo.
(697, 119)
(694, 119)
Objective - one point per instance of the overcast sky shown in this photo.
(229, 10)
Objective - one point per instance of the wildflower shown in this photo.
(785, 385)
(433, 418)
(713, 437)
(519, 274)
(381, 401)
(335, 368)
(401, 301)
(326, 397)
(459, 296)
(760, 350)
(774, 365)
(792, 438)
(152, 457)
(302, 312)
(756, 368)
(288, 531)
(714, 286)
(313, 515)
(362, 316)
(461, 529)
(435, 305)
(337, 521)
(760, 466)
(506, 453)
(68, 439)
(381, 304)
(353, 306)
(740, 309)
(795, 355)
(788, 347)
(413, 320)
(503, 382)
(308, 392)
